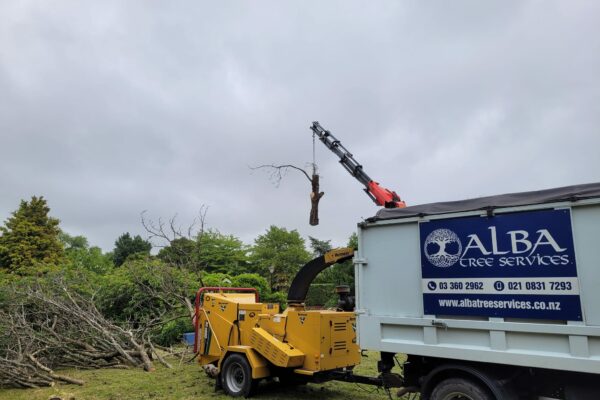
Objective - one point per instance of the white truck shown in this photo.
(495, 298)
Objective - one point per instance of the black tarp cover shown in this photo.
(567, 193)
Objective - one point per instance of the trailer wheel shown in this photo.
(460, 389)
(236, 376)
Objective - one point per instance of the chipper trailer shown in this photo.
(494, 298)
(247, 340)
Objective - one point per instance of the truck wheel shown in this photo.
(236, 376)
(460, 389)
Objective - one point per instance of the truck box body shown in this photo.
(511, 279)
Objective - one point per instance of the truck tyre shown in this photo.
(236, 376)
(460, 389)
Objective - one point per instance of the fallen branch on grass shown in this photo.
(45, 328)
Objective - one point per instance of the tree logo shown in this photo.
(442, 248)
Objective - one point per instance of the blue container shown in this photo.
(188, 338)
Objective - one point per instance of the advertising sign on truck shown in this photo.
(516, 265)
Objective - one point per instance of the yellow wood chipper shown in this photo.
(243, 340)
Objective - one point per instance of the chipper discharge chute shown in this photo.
(244, 340)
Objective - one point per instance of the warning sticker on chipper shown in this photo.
(519, 265)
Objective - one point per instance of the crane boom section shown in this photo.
(381, 196)
(346, 158)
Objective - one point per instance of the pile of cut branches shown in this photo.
(50, 326)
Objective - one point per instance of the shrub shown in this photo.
(321, 294)
(172, 331)
(254, 281)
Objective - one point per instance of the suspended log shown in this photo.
(315, 197)
(277, 172)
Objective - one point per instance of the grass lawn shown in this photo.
(187, 381)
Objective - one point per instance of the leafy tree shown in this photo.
(322, 291)
(30, 238)
(172, 331)
(126, 246)
(281, 251)
(243, 280)
(319, 247)
(276, 297)
(217, 279)
(222, 253)
(321, 294)
(181, 253)
(254, 281)
(353, 241)
(81, 255)
(73, 242)
(343, 274)
(145, 289)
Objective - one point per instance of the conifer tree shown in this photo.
(126, 245)
(30, 238)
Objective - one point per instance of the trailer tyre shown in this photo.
(236, 376)
(460, 389)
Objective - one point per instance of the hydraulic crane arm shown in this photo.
(380, 195)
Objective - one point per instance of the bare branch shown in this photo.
(278, 171)
(168, 232)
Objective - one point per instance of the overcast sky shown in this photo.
(109, 108)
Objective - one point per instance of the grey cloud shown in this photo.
(112, 108)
